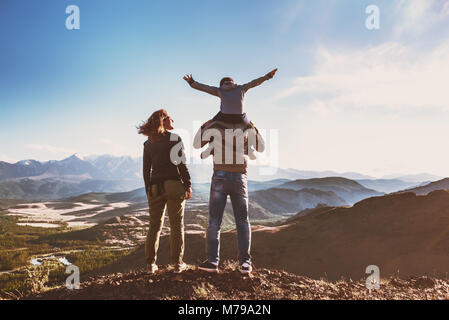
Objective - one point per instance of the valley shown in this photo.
(316, 227)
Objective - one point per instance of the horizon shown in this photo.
(345, 98)
(392, 175)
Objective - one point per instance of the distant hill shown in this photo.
(138, 196)
(387, 185)
(426, 189)
(417, 178)
(55, 188)
(348, 190)
(403, 234)
(291, 174)
(134, 196)
(204, 187)
(97, 207)
(263, 185)
(278, 200)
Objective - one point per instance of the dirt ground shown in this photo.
(262, 284)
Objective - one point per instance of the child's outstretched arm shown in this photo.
(259, 81)
(202, 87)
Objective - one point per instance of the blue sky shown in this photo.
(345, 98)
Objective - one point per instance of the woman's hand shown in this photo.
(272, 73)
(189, 193)
(188, 78)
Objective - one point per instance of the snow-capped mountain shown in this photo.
(71, 166)
(74, 166)
(30, 179)
(123, 167)
(106, 173)
(24, 168)
(108, 167)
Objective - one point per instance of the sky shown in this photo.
(345, 98)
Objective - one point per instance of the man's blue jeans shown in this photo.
(235, 185)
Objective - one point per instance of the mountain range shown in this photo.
(126, 167)
(349, 190)
(288, 201)
(442, 184)
(34, 180)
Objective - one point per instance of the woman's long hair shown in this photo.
(153, 128)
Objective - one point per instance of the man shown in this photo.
(230, 144)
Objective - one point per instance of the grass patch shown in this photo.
(19, 244)
(34, 279)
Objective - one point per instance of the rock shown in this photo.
(425, 282)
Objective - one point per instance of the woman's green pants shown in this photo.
(171, 198)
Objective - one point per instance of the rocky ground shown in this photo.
(230, 284)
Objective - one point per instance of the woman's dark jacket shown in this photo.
(158, 165)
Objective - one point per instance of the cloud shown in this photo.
(5, 158)
(112, 147)
(419, 16)
(445, 9)
(391, 75)
(49, 148)
(289, 16)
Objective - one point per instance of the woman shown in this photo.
(167, 185)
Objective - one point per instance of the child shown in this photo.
(231, 96)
